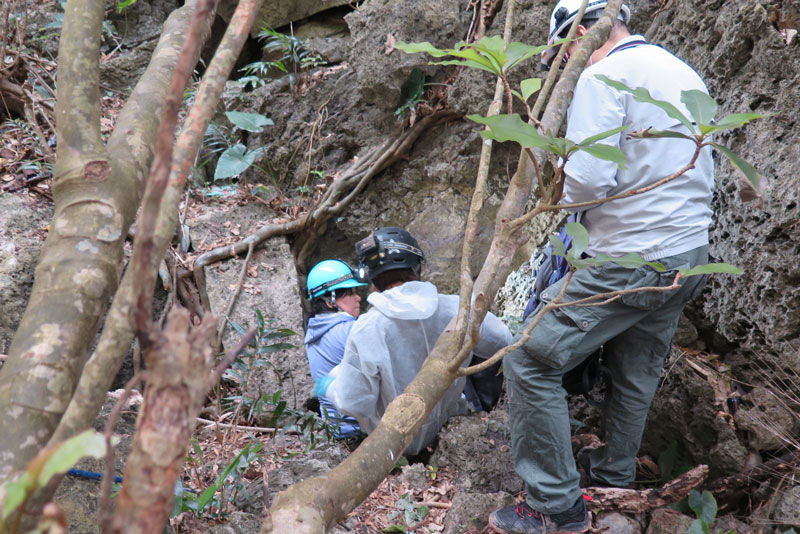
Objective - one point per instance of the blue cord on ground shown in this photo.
(80, 473)
(90, 474)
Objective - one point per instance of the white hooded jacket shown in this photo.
(387, 347)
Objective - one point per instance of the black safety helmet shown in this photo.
(386, 249)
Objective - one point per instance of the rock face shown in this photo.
(748, 66)
(22, 232)
(479, 449)
(270, 287)
(276, 13)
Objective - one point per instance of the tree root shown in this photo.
(342, 192)
(632, 501)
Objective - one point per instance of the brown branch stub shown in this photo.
(96, 171)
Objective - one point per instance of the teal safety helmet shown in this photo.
(328, 276)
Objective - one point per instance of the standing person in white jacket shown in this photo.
(388, 345)
(668, 224)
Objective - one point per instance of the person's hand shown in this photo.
(322, 384)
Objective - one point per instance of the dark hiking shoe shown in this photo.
(522, 519)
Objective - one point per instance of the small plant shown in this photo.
(413, 91)
(433, 471)
(409, 512)
(290, 52)
(211, 503)
(705, 507)
(234, 158)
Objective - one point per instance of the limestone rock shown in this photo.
(481, 456)
(767, 421)
(22, 223)
(276, 13)
(667, 521)
(273, 291)
(617, 523)
(238, 523)
(380, 76)
(685, 407)
(470, 511)
(727, 524)
(787, 510)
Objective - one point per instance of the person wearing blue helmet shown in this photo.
(335, 306)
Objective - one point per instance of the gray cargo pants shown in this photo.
(636, 331)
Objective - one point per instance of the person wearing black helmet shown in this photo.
(388, 344)
(666, 224)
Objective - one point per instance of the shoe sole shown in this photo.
(499, 531)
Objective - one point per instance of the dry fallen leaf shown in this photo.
(389, 44)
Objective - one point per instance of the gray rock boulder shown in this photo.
(23, 220)
(667, 521)
(478, 447)
(617, 523)
(273, 290)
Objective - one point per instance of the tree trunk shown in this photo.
(96, 190)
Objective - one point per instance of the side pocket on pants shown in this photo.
(648, 300)
(559, 333)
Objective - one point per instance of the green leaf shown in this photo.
(560, 146)
(632, 260)
(252, 122)
(415, 48)
(234, 161)
(696, 527)
(711, 268)
(702, 107)
(510, 128)
(15, 493)
(395, 528)
(735, 121)
(530, 86)
(493, 48)
(606, 152)
(559, 249)
(640, 94)
(123, 4)
(467, 63)
(603, 135)
(704, 505)
(517, 52)
(580, 238)
(88, 443)
(740, 164)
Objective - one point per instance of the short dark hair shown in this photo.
(388, 278)
(320, 304)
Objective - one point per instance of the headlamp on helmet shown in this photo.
(387, 249)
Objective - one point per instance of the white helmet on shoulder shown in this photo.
(566, 11)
